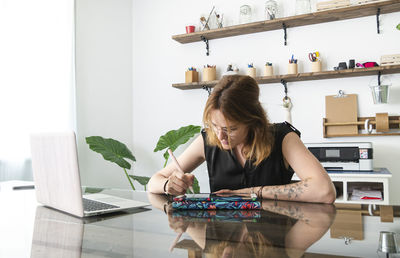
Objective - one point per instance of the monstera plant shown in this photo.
(173, 139)
(116, 152)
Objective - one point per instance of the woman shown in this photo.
(245, 153)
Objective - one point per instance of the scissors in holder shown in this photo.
(314, 56)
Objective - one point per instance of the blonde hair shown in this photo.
(237, 97)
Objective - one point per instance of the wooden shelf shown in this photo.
(388, 69)
(393, 124)
(345, 13)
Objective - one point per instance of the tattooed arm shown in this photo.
(314, 186)
(291, 192)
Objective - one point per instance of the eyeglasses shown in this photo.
(231, 131)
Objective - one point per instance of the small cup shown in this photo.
(316, 66)
(209, 74)
(251, 71)
(292, 68)
(268, 70)
(190, 29)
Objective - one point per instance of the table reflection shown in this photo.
(57, 234)
(280, 229)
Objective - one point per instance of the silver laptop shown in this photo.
(57, 180)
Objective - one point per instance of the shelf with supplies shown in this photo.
(355, 72)
(344, 13)
(347, 183)
(392, 122)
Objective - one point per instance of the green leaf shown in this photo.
(111, 150)
(174, 138)
(398, 26)
(143, 180)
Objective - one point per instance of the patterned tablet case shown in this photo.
(213, 198)
(217, 205)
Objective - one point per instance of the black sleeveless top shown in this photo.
(225, 171)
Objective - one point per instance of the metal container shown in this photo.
(380, 94)
(387, 242)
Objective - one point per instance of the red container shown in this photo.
(190, 29)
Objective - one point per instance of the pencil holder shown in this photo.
(251, 71)
(316, 66)
(209, 74)
(191, 76)
(292, 68)
(268, 70)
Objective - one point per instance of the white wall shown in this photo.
(103, 84)
(159, 61)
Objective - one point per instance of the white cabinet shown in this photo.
(346, 181)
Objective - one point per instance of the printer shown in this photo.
(343, 155)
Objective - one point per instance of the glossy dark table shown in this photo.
(282, 229)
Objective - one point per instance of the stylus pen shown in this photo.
(178, 166)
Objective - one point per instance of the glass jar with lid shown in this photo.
(245, 15)
(271, 9)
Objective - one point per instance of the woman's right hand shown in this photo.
(178, 183)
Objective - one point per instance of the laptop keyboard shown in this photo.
(90, 205)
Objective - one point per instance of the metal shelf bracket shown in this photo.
(285, 33)
(284, 83)
(207, 47)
